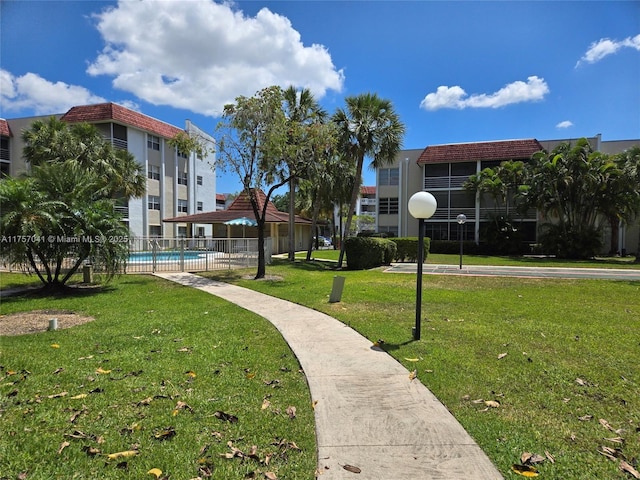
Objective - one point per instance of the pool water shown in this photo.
(162, 256)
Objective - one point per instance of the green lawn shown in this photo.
(560, 356)
(148, 375)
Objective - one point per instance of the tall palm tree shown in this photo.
(301, 109)
(368, 126)
(629, 161)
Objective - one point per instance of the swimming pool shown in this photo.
(162, 256)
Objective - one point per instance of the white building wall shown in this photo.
(137, 146)
(205, 168)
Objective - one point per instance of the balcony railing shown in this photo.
(445, 183)
(122, 210)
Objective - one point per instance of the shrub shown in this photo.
(407, 249)
(368, 252)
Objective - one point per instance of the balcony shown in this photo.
(445, 183)
(122, 210)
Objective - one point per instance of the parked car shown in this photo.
(323, 241)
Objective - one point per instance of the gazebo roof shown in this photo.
(241, 207)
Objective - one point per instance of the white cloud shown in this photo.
(200, 55)
(604, 47)
(533, 89)
(565, 124)
(32, 92)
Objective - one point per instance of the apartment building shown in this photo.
(177, 183)
(443, 169)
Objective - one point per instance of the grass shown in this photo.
(148, 375)
(571, 346)
(451, 259)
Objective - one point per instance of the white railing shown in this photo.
(445, 183)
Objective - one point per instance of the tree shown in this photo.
(368, 126)
(629, 162)
(55, 220)
(302, 112)
(569, 186)
(63, 212)
(253, 144)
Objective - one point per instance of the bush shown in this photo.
(407, 249)
(368, 252)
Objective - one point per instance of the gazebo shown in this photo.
(276, 228)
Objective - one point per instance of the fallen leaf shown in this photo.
(190, 374)
(58, 370)
(605, 424)
(270, 476)
(585, 418)
(501, 356)
(265, 404)
(63, 445)
(412, 374)
(291, 411)
(58, 395)
(524, 470)
(155, 471)
(492, 403)
(78, 397)
(125, 454)
(251, 375)
(581, 382)
(411, 359)
(313, 405)
(164, 433)
(351, 468)
(144, 402)
(625, 467)
(102, 371)
(615, 440)
(55, 345)
(91, 451)
(550, 457)
(225, 417)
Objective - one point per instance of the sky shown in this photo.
(454, 71)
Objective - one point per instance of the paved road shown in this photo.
(531, 272)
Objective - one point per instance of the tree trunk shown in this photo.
(292, 220)
(261, 259)
(352, 206)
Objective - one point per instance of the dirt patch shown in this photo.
(38, 321)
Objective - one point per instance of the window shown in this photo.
(153, 202)
(155, 231)
(182, 232)
(388, 206)
(182, 154)
(183, 206)
(153, 172)
(200, 231)
(153, 142)
(199, 206)
(199, 179)
(4, 169)
(182, 178)
(389, 176)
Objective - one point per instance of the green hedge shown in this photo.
(408, 249)
(368, 252)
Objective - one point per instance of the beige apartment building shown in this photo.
(443, 169)
(177, 183)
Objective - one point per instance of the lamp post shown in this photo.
(462, 218)
(422, 205)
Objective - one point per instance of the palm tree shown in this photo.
(629, 162)
(369, 126)
(301, 110)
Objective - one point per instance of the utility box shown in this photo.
(336, 290)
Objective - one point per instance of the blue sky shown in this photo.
(455, 71)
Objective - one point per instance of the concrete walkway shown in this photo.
(369, 414)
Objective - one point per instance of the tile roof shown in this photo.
(241, 207)
(367, 190)
(5, 131)
(470, 152)
(113, 112)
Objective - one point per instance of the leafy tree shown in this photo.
(629, 162)
(368, 126)
(569, 186)
(63, 212)
(502, 184)
(253, 142)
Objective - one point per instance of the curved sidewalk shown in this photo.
(369, 413)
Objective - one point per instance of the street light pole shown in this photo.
(422, 205)
(462, 218)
